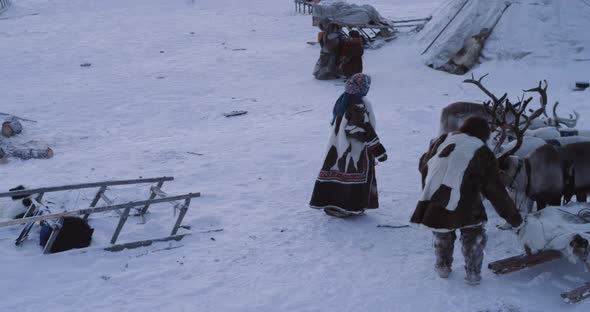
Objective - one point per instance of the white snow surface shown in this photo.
(163, 73)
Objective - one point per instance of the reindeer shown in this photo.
(548, 173)
(453, 115)
(550, 133)
(509, 117)
(555, 121)
(531, 143)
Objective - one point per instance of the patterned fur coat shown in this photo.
(456, 171)
(347, 179)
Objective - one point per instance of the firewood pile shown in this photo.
(12, 126)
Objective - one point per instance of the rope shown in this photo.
(583, 214)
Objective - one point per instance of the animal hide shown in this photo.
(554, 228)
(449, 171)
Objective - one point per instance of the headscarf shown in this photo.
(357, 87)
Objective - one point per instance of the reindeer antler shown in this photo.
(519, 113)
(494, 107)
(478, 83)
(542, 91)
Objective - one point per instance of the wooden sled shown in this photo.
(524, 261)
(384, 31)
(33, 215)
(305, 6)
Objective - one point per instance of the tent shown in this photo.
(517, 30)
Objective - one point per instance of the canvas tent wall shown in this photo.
(530, 30)
(474, 16)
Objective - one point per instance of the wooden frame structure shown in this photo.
(521, 262)
(305, 7)
(371, 32)
(33, 215)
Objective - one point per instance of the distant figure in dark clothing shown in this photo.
(331, 40)
(351, 56)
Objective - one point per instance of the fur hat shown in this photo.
(477, 127)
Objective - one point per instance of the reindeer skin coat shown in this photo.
(351, 60)
(347, 179)
(474, 170)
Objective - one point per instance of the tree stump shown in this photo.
(11, 126)
(28, 153)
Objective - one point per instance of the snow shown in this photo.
(163, 73)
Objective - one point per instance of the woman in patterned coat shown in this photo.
(346, 185)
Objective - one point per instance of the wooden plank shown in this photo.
(55, 231)
(95, 200)
(144, 243)
(106, 199)
(25, 231)
(341, 24)
(99, 209)
(183, 210)
(577, 294)
(520, 262)
(122, 221)
(152, 196)
(84, 185)
(426, 19)
(33, 210)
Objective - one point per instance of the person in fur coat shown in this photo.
(346, 185)
(457, 169)
(331, 42)
(351, 57)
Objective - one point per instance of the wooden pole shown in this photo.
(98, 209)
(183, 210)
(83, 185)
(444, 28)
(122, 221)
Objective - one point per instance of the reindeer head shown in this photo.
(508, 117)
(580, 247)
(513, 173)
(556, 121)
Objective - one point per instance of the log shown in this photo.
(577, 294)
(144, 243)
(28, 153)
(11, 126)
(523, 261)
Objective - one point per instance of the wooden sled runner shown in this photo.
(32, 215)
(524, 261)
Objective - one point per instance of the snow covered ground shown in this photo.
(164, 72)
